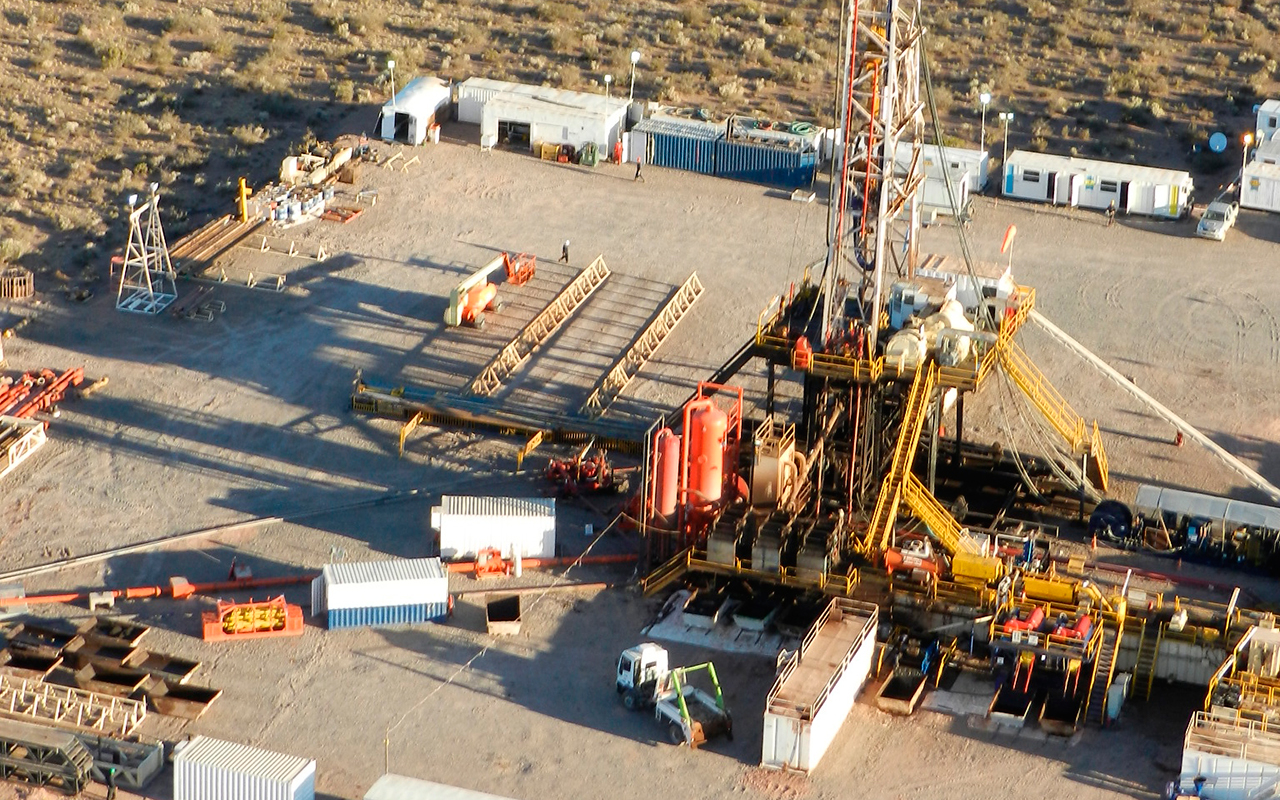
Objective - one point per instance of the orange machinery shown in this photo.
(475, 295)
(251, 620)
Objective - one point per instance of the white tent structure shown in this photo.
(409, 115)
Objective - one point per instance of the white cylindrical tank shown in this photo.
(906, 349)
(952, 348)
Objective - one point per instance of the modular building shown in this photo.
(957, 160)
(467, 525)
(399, 787)
(1260, 188)
(371, 593)
(571, 118)
(1268, 121)
(213, 769)
(816, 688)
(409, 116)
(1068, 181)
(1229, 758)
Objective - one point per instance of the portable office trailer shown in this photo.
(409, 115)
(1068, 181)
(397, 592)
(571, 118)
(467, 525)
(680, 143)
(935, 198)
(817, 686)
(212, 769)
(1260, 188)
(977, 163)
(1268, 121)
(399, 787)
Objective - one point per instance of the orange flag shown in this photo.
(1008, 238)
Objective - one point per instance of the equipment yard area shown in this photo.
(241, 433)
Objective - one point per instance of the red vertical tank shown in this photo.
(667, 472)
(707, 428)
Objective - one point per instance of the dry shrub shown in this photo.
(249, 134)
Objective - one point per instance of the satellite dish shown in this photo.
(1218, 142)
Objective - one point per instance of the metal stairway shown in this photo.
(1104, 667)
(1144, 672)
(936, 518)
(913, 416)
(1055, 408)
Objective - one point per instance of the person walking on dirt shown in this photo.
(111, 783)
(1111, 213)
(564, 252)
(638, 176)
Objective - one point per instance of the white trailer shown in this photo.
(400, 787)
(1230, 759)
(409, 116)
(467, 525)
(817, 686)
(1260, 188)
(1268, 121)
(1087, 183)
(977, 163)
(571, 118)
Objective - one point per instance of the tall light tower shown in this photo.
(985, 100)
(635, 59)
(608, 84)
(391, 65)
(1006, 117)
(147, 280)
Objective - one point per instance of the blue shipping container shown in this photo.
(681, 144)
(387, 615)
(772, 166)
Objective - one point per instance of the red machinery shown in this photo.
(914, 556)
(1078, 631)
(49, 390)
(520, 268)
(490, 563)
(252, 620)
(476, 294)
(1031, 623)
(585, 474)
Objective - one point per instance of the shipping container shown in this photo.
(212, 769)
(388, 592)
(689, 145)
(817, 687)
(399, 787)
(786, 167)
(1268, 120)
(1260, 188)
(1087, 183)
(383, 616)
(467, 525)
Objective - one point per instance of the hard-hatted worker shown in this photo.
(111, 783)
(564, 252)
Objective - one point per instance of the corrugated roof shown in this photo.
(1258, 169)
(243, 759)
(571, 106)
(688, 128)
(399, 787)
(400, 569)
(596, 103)
(462, 505)
(424, 90)
(1100, 169)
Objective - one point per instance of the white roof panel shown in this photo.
(461, 505)
(399, 787)
(401, 569)
(422, 92)
(1048, 162)
(508, 91)
(243, 759)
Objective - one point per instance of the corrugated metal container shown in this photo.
(790, 168)
(398, 787)
(380, 584)
(380, 616)
(1261, 187)
(212, 769)
(681, 144)
(468, 525)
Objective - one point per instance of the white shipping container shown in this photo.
(213, 769)
(977, 163)
(816, 690)
(468, 525)
(399, 787)
(1260, 188)
(377, 584)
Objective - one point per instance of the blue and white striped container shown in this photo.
(371, 593)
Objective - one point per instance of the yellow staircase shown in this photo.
(1055, 408)
(936, 517)
(1104, 670)
(1144, 672)
(913, 416)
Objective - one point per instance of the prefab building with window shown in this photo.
(1268, 121)
(409, 116)
(957, 160)
(1260, 188)
(1086, 183)
(571, 118)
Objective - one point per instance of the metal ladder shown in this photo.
(936, 517)
(540, 329)
(913, 416)
(1104, 667)
(1144, 672)
(643, 348)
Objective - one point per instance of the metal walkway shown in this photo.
(1104, 670)
(540, 329)
(643, 348)
(64, 707)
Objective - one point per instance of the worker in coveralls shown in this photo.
(564, 252)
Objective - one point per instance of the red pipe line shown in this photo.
(535, 563)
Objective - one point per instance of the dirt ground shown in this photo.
(207, 424)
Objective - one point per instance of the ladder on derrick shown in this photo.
(540, 329)
(643, 348)
(1059, 413)
(1144, 672)
(1104, 669)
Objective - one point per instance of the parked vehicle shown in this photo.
(1217, 219)
(691, 715)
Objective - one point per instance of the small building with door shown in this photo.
(525, 115)
(409, 116)
(956, 160)
(1260, 188)
(1268, 121)
(1088, 183)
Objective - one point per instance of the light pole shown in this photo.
(1248, 140)
(635, 59)
(608, 83)
(391, 65)
(1006, 117)
(985, 99)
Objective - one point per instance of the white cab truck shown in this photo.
(691, 716)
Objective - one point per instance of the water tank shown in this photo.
(667, 459)
(707, 427)
(905, 349)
